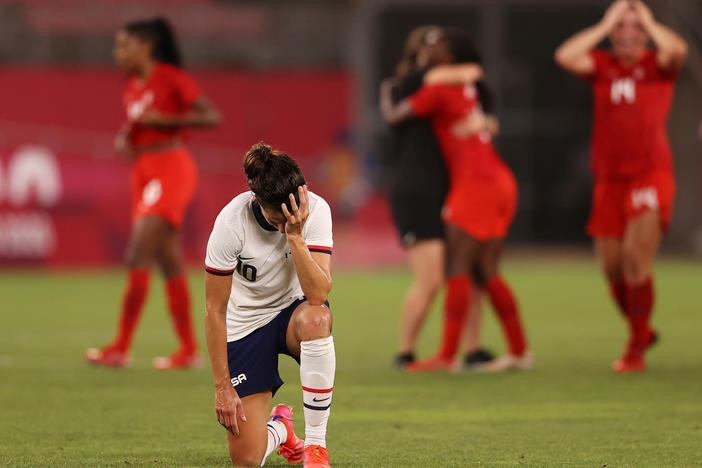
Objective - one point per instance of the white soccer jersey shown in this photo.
(264, 280)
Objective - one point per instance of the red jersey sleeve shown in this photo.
(187, 89)
(426, 101)
(666, 74)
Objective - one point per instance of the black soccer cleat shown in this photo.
(478, 358)
(401, 360)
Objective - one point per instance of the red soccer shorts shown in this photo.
(483, 207)
(616, 202)
(163, 183)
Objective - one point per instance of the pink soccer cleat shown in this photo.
(293, 448)
(433, 364)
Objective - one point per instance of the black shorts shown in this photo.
(253, 359)
(417, 217)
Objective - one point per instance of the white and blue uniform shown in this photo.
(265, 287)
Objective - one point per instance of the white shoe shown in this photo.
(508, 362)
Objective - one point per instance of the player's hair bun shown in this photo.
(272, 175)
(257, 159)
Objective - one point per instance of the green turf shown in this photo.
(570, 411)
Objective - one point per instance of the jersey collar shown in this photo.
(256, 208)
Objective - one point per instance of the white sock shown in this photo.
(277, 434)
(317, 367)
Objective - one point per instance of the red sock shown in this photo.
(506, 307)
(455, 313)
(132, 305)
(639, 300)
(179, 302)
(618, 291)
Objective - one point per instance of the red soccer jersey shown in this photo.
(631, 106)
(446, 106)
(168, 90)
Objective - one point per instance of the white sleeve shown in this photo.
(318, 228)
(222, 249)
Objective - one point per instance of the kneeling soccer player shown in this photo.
(268, 276)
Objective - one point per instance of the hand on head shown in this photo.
(644, 12)
(296, 220)
(615, 12)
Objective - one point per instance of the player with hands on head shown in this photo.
(268, 276)
(161, 101)
(631, 158)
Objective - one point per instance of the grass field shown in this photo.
(570, 411)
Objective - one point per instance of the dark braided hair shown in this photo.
(159, 33)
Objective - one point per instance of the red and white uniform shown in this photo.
(264, 281)
(631, 156)
(482, 197)
(163, 181)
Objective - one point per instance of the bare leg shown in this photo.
(171, 258)
(610, 255)
(147, 239)
(308, 323)
(462, 252)
(249, 447)
(427, 262)
(642, 238)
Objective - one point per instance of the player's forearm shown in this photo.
(672, 48)
(462, 73)
(314, 281)
(393, 113)
(202, 119)
(216, 335)
(577, 47)
(190, 119)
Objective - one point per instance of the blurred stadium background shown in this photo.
(303, 76)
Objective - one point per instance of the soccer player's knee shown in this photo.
(456, 267)
(612, 267)
(314, 322)
(612, 270)
(249, 457)
(130, 258)
(635, 266)
(133, 259)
